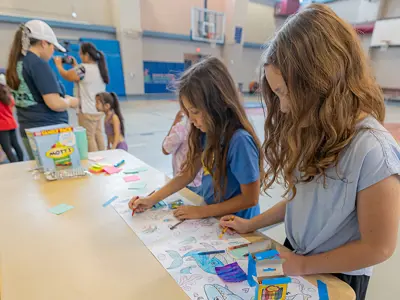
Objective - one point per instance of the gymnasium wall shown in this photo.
(172, 51)
(173, 17)
(391, 9)
(250, 66)
(356, 11)
(260, 23)
(91, 11)
(7, 31)
(386, 65)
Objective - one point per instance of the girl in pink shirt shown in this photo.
(176, 143)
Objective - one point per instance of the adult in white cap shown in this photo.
(39, 97)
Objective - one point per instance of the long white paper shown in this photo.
(176, 251)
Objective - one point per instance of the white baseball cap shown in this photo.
(42, 31)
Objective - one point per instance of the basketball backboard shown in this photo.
(208, 25)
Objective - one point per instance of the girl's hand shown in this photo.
(189, 212)
(141, 204)
(294, 263)
(238, 224)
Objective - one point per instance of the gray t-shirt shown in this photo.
(321, 219)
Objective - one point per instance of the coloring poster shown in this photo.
(177, 251)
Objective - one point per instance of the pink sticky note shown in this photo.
(111, 169)
(131, 178)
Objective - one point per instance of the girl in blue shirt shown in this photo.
(221, 141)
(325, 139)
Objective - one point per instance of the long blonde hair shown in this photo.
(329, 86)
(209, 87)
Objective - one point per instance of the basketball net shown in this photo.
(211, 38)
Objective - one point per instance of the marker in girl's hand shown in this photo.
(225, 229)
(137, 197)
(134, 209)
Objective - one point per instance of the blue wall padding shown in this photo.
(112, 53)
(158, 75)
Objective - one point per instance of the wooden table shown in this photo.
(89, 252)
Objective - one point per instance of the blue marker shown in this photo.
(211, 252)
(119, 163)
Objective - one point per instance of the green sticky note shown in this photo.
(238, 253)
(60, 209)
(139, 192)
(137, 186)
(136, 170)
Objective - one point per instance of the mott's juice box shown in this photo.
(54, 147)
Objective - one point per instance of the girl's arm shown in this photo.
(69, 75)
(172, 140)
(177, 183)
(247, 199)
(117, 131)
(243, 161)
(272, 216)
(378, 210)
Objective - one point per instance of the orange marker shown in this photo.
(225, 229)
(133, 210)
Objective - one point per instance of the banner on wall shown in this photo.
(159, 75)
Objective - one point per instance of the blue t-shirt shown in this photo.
(36, 79)
(323, 215)
(242, 168)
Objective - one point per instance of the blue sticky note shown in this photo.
(60, 209)
(110, 201)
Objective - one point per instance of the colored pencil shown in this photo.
(211, 252)
(238, 246)
(180, 222)
(225, 229)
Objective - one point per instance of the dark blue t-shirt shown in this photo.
(242, 168)
(37, 79)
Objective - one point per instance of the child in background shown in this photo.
(176, 143)
(114, 122)
(8, 136)
(221, 142)
(325, 139)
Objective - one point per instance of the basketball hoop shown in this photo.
(207, 26)
(385, 45)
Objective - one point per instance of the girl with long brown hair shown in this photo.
(221, 141)
(325, 142)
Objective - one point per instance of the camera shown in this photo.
(69, 60)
